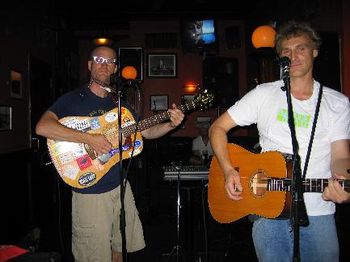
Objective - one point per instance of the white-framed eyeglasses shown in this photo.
(102, 60)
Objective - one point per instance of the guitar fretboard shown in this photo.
(310, 185)
(156, 119)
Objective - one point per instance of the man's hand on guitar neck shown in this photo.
(233, 184)
(340, 170)
(176, 116)
(334, 191)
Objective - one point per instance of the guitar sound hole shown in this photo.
(258, 183)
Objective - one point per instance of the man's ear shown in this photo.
(315, 53)
(89, 65)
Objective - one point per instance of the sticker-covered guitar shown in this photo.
(78, 165)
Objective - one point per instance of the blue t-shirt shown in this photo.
(83, 102)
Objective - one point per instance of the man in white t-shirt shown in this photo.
(201, 148)
(266, 106)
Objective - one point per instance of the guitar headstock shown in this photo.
(203, 100)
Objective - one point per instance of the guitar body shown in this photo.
(77, 164)
(254, 169)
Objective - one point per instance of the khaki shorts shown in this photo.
(95, 225)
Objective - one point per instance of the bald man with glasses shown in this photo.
(96, 209)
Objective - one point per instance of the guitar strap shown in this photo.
(313, 130)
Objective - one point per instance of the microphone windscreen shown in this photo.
(284, 61)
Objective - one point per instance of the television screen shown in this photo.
(199, 35)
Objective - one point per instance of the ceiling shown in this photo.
(118, 11)
(107, 13)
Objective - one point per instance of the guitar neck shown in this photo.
(315, 185)
(156, 119)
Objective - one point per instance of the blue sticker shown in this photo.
(95, 123)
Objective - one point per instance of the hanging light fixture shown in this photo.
(102, 41)
(102, 38)
(264, 36)
(263, 39)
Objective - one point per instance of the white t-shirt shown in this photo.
(198, 145)
(266, 105)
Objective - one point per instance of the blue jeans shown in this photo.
(273, 240)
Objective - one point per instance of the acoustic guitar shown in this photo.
(78, 165)
(266, 183)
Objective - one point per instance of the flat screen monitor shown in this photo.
(199, 35)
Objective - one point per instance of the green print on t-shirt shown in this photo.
(300, 120)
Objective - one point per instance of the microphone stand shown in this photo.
(177, 248)
(122, 223)
(298, 212)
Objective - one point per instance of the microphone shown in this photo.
(284, 63)
(129, 74)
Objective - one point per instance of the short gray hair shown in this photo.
(293, 29)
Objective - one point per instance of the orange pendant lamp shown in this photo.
(264, 36)
(129, 72)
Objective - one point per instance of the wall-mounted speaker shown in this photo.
(233, 37)
(220, 75)
(131, 56)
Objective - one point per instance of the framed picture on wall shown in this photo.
(16, 85)
(159, 102)
(5, 118)
(161, 65)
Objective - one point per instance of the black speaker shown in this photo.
(220, 75)
(131, 56)
(233, 37)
